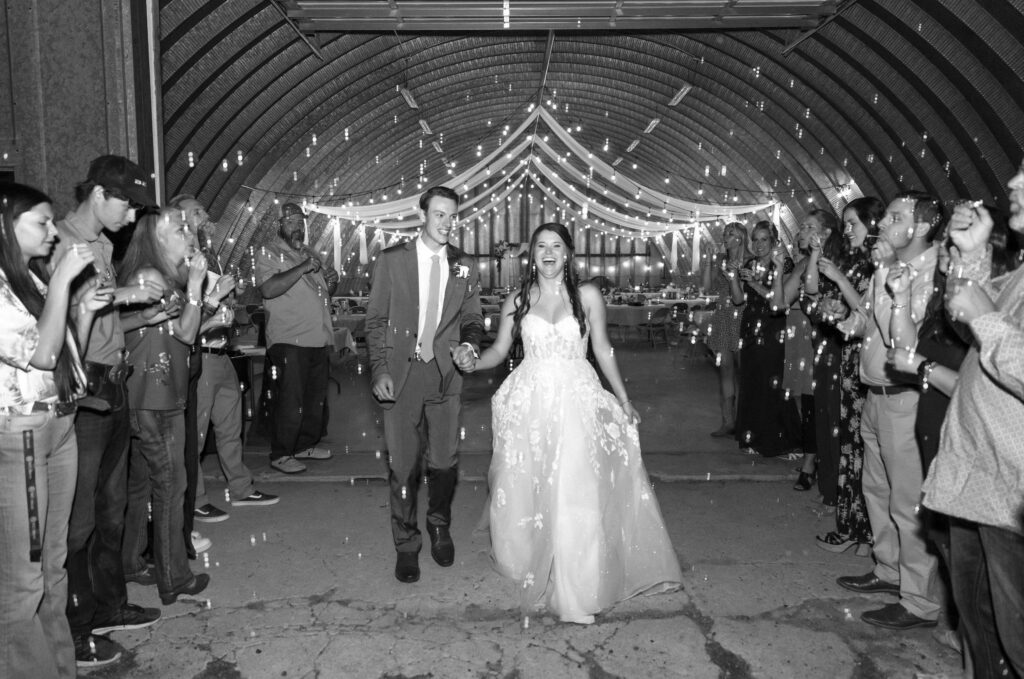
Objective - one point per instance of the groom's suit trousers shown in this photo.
(422, 413)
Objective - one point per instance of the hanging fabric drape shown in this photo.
(364, 255)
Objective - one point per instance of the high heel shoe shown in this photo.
(837, 544)
(805, 481)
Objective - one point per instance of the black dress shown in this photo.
(762, 412)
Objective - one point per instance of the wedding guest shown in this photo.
(841, 284)
(157, 390)
(573, 518)
(721, 275)
(892, 469)
(41, 376)
(296, 289)
(218, 393)
(976, 477)
(113, 193)
(818, 229)
(761, 409)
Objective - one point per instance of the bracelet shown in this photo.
(895, 307)
(924, 373)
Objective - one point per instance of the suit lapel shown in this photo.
(454, 290)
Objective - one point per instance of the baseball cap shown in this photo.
(117, 173)
(290, 210)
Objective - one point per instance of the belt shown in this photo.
(893, 390)
(59, 409)
(220, 351)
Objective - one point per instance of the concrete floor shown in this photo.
(305, 588)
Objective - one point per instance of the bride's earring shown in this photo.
(533, 271)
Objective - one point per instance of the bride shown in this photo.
(573, 518)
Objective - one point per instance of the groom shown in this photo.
(423, 326)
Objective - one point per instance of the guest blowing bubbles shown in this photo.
(40, 376)
(157, 389)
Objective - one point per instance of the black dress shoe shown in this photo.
(407, 568)
(869, 583)
(894, 616)
(441, 546)
(196, 585)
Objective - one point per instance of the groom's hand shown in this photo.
(464, 358)
(384, 388)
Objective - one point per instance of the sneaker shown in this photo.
(255, 498)
(199, 543)
(210, 514)
(94, 651)
(145, 577)
(129, 617)
(314, 453)
(288, 465)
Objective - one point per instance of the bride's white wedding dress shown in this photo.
(573, 518)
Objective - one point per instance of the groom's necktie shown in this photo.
(430, 322)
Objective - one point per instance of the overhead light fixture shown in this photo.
(505, 14)
(617, 161)
(425, 127)
(651, 125)
(683, 91)
(407, 95)
(437, 147)
(636, 142)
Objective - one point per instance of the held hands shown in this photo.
(464, 358)
(966, 300)
(312, 264)
(330, 276)
(904, 360)
(970, 227)
(224, 317)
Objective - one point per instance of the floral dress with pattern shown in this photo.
(574, 521)
(851, 512)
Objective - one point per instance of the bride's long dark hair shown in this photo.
(569, 279)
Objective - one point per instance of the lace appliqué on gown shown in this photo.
(573, 518)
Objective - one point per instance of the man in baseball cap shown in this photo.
(118, 175)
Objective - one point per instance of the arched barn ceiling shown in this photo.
(780, 101)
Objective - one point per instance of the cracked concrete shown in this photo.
(305, 588)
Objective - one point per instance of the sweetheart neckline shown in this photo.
(541, 318)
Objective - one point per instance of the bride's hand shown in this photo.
(631, 412)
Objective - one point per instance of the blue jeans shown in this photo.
(158, 446)
(96, 588)
(299, 392)
(987, 570)
(35, 639)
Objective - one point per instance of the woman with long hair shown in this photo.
(41, 375)
(761, 408)
(721, 275)
(810, 357)
(161, 251)
(573, 518)
(840, 285)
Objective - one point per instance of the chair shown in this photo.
(658, 325)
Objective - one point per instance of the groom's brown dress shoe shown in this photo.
(407, 568)
(441, 546)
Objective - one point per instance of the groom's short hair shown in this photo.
(442, 191)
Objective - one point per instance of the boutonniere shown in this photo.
(460, 270)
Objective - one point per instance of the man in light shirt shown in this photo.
(892, 465)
